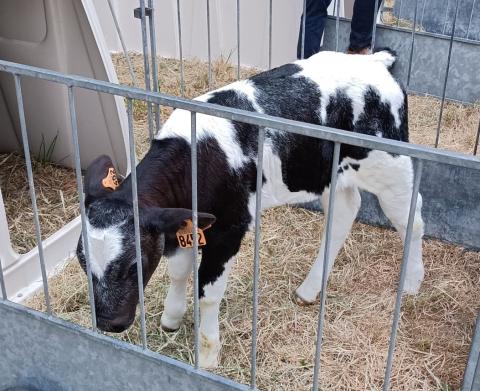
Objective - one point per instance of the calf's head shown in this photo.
(111, 243)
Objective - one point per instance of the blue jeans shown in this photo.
(361, 29)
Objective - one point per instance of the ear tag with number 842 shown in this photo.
(185, 236)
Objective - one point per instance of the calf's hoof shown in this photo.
(209, 352)
(169, 325)
(299, 300)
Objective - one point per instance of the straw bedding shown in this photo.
(435, 326)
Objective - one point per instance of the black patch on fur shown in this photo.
(355, 166)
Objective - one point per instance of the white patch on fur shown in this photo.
(175, 305)
(332, 71)
(105, 246)
(209, 312)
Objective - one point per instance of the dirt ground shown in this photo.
(435, 326)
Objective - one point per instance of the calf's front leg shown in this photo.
(217, 261)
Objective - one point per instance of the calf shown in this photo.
(354, 93)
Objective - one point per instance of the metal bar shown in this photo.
(180, 50)
(270, 28)
(476, 377)
(196, 309)
(470, 20)
(475, 148)
(136, 222)
(124, 47)
(406, 253)
(316, 131)
(256, 258)
(209, 44)
(81, 199)
(146, 65)
(337, 24)
(304, 18)
(374, 27)
(238, 39)
(446, 75)
(328, 234)
(399, 12)
(473, 358)
(409, 73)
(153, 51)
(31, 187)
(2, 283)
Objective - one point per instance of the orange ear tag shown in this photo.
(185, 236)
(111, 180)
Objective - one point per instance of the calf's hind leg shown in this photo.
(390, 178)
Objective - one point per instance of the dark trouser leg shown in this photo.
(362, 24)
(314, 25)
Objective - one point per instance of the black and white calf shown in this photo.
(351, 92)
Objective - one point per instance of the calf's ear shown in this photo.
(100, 178)
(171, 219)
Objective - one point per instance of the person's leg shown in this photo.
(362, 25)
(314, 25)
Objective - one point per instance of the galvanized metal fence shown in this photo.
(154, 100)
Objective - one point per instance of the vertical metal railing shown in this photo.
(374, 27)
(238, 39)
(412, 45)
(444, 90)
(256, 257)
(337, 24)
(471, 376)
(122, 42)
(31, 187)
(196, 310)
(136, 222)
(146, 65)
(81, 199)
(403, 272)
(270, 28)
(209, 47)
(2, 283)
(328, 234)
(475, 148)
(304, 18)
(180, 49)
(153, 53)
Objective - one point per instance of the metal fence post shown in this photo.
(238, 39)
(323, 293)
(471, 376)
(146, 65)
(136, 221)
(153, 51)
(124, 47)
(81, 200)
(437, 137)
(403, 272)
(196, 309)
(180, 49)
(304, 17)
(209, 47)
(412, 45)
(2, 283)
(31, 187)
(256, 259)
